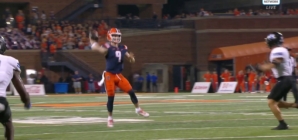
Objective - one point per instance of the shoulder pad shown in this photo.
(12, 58)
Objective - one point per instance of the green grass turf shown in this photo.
(247, 118)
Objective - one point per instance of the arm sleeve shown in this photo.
(280, 53)
(15, 64)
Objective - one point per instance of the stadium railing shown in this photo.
(139, 23)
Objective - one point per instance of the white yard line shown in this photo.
(100, 123)
(144, 130)
(218, 138)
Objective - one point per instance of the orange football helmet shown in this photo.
(114, 35)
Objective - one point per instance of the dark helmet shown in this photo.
(274, 39)
(2, 45)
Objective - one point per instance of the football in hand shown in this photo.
(94, 36)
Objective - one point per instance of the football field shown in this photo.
(182, 116)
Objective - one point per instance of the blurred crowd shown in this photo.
(248, 80)
(235, 12)
(48, 34)
(262, 12)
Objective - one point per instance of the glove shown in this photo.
(27, 105)
(93, 36)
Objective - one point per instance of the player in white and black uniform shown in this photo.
(294, 87)
(280, 64)
(10, 72)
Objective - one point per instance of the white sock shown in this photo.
(138, 109)
(110, 118)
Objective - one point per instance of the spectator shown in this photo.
(148, 81)
(250, 12)
(183, 15)
(154, 16)
(62, 78)
(7, 13)
(76, 78)
(135, 81)
(128, 16)
(10, 21)
(136, 17)
(35, 16)
(225, 76)
(252, 81)
(240, 82)
(43, 15)
(203, 13)
(41, 79)
(207, 76)
(52, 15)
(53, 48)
(42, 71)
(236, 12)
(140, 83)
(70, 82)
(214, 78)
(28, 30)
(103, 88)
(91, 87)
(20, 19)
(154, 82)
(246, 79)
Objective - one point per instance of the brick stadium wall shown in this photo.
(172, 47)
(260, 22)
(30, 59)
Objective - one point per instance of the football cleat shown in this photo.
(142, 113)
(110, 123)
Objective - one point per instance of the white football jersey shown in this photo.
(286, 67)
(7, 66)
(293, 62)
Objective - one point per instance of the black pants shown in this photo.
(5, 113)
(154, 87)
(148, 86)
(140, 86)
(282, 87)
(294, 89)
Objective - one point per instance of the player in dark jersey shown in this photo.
(115, 53)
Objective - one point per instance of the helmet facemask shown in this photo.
(116, 38)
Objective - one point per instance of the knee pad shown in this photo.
(110, 103)
(133, 97)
